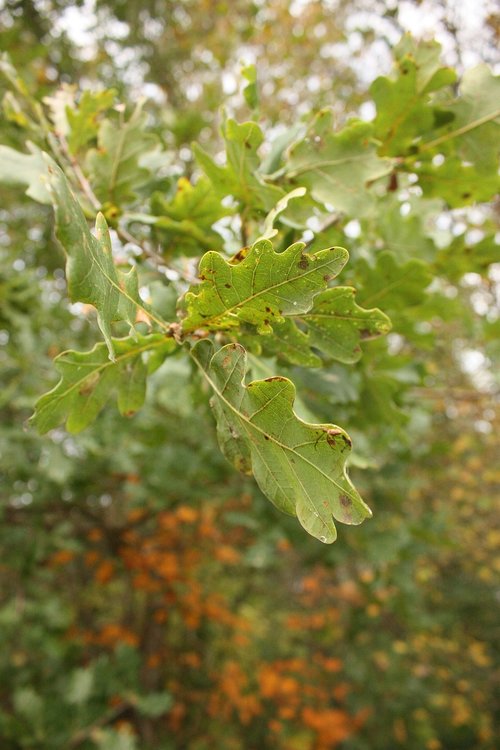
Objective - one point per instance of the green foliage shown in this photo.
(300, 467)
(337, 167)
(143, 579)
(263, 287)
(241, 177)
(115, 166)
(279, 301)
(88, 379)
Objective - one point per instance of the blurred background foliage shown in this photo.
(150, 597)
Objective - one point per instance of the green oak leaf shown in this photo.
(404, 105)
(456, 183)
(240, 177)
(83, 120)
(404, 235)
(89, 379)
(393, 285)
(404, 111)
(335, 325)
(186, 221)
(300, 467)
(263, 288)
(91, 273)
(426, 54)
(115, 167)
(474, 130)
(251, 89)
(26, 170)
(269, 231)
(337, 168)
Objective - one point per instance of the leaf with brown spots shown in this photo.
(334, 326)
(89, 379)
(300, 467)
(262, 289)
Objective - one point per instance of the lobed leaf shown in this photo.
(337, 168)
(300, 467)
(263, 288)
(89, 380)
(475, 128)
(240, 177)
(335, 325)
(404, 106)
(91, 273)
(397, 286)
(114, 167)
(83, 120)
(186, 221)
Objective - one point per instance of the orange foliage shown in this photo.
(62, 557)
(332, 726)
(167, 565)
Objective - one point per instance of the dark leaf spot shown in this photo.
(303, 263)
(331, 435)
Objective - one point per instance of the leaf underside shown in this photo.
(300, 467)
(89, 379)
(91, 273)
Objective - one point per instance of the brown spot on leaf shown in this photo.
(240, 255)
(331, 435)
(228, 286)
(89, 384)
(345, 501)
(268, 309)
(365, 333)
(303, 263)
(327, 277)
